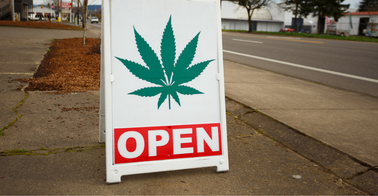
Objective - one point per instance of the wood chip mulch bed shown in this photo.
(39, 24)
(69, 67)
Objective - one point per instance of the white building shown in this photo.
(359, 20)
(37, 11)
(235, 17)
(273, 18)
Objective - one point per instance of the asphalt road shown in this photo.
(95, 25)
(341, 64)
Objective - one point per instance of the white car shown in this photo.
(94, 19)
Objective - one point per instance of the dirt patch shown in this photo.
(39, 24)
(69, 67)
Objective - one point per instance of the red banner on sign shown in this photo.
(65, 5)
(166, 142)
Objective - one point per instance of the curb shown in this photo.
(342, 165)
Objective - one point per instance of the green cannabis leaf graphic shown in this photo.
(167, 74)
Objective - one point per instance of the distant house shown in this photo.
(360, 21)
(41, 12)
(356, 23)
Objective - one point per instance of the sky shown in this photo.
(353, 3)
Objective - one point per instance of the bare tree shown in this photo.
(251, 6)
(85, 10)
(77, 16)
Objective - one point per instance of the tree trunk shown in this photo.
(85, 6)
(77, 12)
(295, 17)
(319, 23)
(250, 13)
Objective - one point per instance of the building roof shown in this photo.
(362, 13)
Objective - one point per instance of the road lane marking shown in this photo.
(305, 67)
(242, 40)
(266, 37)
(283, 37)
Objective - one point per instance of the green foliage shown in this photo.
(298, 7)
(320, 8)
(16, 151)
(168, 75)
(330, 8)
(368, 5)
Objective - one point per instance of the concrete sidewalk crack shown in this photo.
(15, 111)
(45, 151)
(374, 168)
(236, 117)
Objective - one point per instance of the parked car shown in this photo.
(287, 30)
(33, 17)
(37, 16)
(94, 19)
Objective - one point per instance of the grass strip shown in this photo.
(45, 151)
(322, 36)
(15, 111)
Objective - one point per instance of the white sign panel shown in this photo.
(164, 88)
(66, 11)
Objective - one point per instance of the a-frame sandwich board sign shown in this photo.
(162, 86)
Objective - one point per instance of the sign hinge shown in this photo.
(112, 78)
(219, 76)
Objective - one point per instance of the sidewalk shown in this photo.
(344, 120)
(50, 149)
(341, 123)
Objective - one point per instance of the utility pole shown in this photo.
(11, 3)
(71, 15)
(59, 16)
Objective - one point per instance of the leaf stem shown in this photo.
(169, 100)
